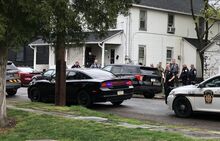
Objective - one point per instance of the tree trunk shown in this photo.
(60, 90)
(3, 62)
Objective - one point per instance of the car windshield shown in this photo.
(99, 74)
(149, 71)
(130, 70)
(25, 69)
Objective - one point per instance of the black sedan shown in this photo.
(85, 87)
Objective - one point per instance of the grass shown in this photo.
(76, 110)
(33, 126)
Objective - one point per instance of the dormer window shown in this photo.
(143, 20)
(170, 27)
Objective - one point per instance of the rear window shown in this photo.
(116, 69)
(11, 66)
(99, 74)
(130, 70)
(149, 71)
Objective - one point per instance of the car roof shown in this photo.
(131, 65)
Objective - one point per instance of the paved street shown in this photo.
(147, 109)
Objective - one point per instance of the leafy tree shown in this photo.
(204, 21)
(60, 22)
(63, 22)
(16, 28)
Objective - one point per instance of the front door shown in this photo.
(207, 98)
(112, 58)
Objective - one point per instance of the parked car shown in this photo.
(146, 80)
(203, 97)
(45, 75)
(12, 79)
(26, 74)
(85, 87)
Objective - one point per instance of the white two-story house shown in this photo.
(153, 31)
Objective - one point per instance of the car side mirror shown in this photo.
(201, 86)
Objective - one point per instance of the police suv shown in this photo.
(203, 97)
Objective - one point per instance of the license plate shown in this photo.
(120, 92)
(153, 80)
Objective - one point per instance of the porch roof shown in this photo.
(194, 42)
(91, 38)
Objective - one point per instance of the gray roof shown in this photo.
(95, 37)
(91, 37)
(182, 6)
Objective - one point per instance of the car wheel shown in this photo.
(84, 99)
(117, 103)
(11, 92)
(149, 95)
(182, 107)
(35, 95)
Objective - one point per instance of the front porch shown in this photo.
(107, 50)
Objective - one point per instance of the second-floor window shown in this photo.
(143, 20)
(171, 27)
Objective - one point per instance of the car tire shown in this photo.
(11, 92)
(84, 99)
(182, 107)
(117, 103)
(35, 95)
(149, 95)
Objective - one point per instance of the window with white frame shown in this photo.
(170, 26)
(169, 54)
(142, 55)
(143, 20)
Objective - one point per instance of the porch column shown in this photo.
(84, 55)
(35, 58)
(103, 55)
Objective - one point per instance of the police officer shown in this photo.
(192, 74)
(184, 75)
(169, 77)
(174, 68)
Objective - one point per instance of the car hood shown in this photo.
(183, 89)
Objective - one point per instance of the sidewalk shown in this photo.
(195, 133)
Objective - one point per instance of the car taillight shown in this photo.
(106, 84)
(129, 83)
(139, 77)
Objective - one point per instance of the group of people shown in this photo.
(171, 76)
(90, 63)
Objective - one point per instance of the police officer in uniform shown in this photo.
(184, 75)
(169, 77)
(192, 75)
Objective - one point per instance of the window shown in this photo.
(169, 54)
(20, 55)
(170, 27)
(143, 20)
(142, 55)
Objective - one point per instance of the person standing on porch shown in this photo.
(90, 60)
(76, 65)
(95, 64)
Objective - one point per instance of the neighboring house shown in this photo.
(212, 57)
(153, 31)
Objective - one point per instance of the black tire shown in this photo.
(35, 95)
(182, 107)
(11, 92)
(149, 95)
(84, 99)
(117, 103)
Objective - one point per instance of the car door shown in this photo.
(207, 96)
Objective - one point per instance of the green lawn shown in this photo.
(33, 126)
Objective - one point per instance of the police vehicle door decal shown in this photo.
(208, 96)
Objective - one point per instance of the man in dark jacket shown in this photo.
(76, 65)
(174, 68)
(169, 77)
(192, 75)
(184, 75)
